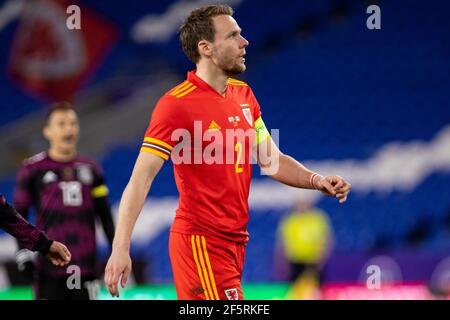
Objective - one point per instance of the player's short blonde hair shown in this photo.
(199, 26)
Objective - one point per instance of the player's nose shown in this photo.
(245, 42)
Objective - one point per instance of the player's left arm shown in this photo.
(102, 206)
(289, 171)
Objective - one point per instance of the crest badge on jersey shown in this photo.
(67, 174)
(232, 294)
(248, 116)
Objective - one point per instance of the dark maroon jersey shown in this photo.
(63, 195)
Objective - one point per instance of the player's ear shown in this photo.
(205, 48)
(46, 132)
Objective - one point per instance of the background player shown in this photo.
(208, 237)
(305, 237)
(68, 192)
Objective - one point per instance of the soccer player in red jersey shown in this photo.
(213, 170)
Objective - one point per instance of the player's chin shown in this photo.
(242, 66)
(237, 69)
(68, 145)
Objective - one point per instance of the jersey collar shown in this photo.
(197, 81)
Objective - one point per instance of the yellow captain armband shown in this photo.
(262, 134)
(100, 191)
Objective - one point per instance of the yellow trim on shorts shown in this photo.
(199, 270)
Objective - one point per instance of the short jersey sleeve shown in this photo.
(165, 119)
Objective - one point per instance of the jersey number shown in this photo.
(238, 149)
(71, 192)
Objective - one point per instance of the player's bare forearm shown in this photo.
(289, 171)
(133, 198)
(282, 167)
(130, 206)
(292, 173)
(119, 264)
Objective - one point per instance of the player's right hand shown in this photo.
(58, 254)
(118, 267)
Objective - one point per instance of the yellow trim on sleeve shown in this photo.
(155, 152)
(158, 142)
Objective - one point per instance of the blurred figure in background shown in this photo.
(30, 237)
(68, 192)
(306, 238)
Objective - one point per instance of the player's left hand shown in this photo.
(334, 186)
(58, 254)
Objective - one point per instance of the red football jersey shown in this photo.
(209, 138)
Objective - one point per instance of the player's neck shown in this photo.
(214, 77)
(61, 156)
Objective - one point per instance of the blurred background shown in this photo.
(370, 105)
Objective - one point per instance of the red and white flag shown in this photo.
(49, 60)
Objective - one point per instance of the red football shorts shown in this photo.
(205, 267)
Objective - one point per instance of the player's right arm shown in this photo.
(167, 116)
(145, 170)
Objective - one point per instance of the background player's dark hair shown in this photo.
(199, 26)
(58, 106)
